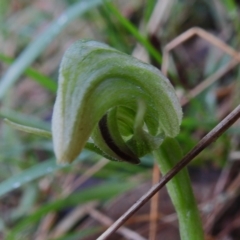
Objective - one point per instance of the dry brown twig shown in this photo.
(83, 178)
(231, 191)
(106, 221)
(154, 206)
(70, 220)
(209, 81)
(49, 219)
(203, 34)
(214, 41)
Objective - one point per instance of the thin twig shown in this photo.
(203, 34)
(71, 219)
(214, 41)
(67, 190)
(231, 191)
(208, 81)
(88, 174)
(154, 205)
(159, 16)
(208, 139)
(45, 225)
(105, 220)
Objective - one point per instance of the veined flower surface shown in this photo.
(99, 95)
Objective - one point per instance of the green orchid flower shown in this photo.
(122, 109)
(98, 94)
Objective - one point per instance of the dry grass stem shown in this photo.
(203, 34)
(70, 187)
(154, 205)
(125, 232)
(219, 206)
(208, 82)
(88, 174)
(70, 220)
(159, 16)
(45, 226)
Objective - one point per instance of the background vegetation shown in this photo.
(40, 200)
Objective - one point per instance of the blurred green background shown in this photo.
(40, 200)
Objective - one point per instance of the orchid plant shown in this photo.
(122, 109)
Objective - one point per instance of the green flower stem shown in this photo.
(180, 191)
(134, 31)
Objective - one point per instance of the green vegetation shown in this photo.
(34, 37)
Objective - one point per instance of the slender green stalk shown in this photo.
(42, 79)
(134, 31)
(180, 191)
(116, 37)
(149, 7)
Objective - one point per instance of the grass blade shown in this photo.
(80, 235)
(24, 119)
(24, 128)
(42, 79)
(33, 173)
(134, 31)
(36, 48)
(102, 192)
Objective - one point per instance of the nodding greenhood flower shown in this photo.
(121, 108)
(127, 107)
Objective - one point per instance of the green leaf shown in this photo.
(47, 134)
(33, 173)
(102, 192)
(23, 119)
(24, 128)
